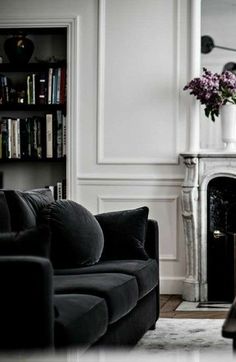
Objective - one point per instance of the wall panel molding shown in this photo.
(130, 180)
(101, 157)
(102, 200)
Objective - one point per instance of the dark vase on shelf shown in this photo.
(18, 49)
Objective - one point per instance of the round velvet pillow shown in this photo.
(77, 238)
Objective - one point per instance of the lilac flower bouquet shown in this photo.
(213, 90)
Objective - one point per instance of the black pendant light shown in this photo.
(207, 44)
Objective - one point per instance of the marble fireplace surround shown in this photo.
(200, 169)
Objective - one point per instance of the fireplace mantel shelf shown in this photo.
(209, 154)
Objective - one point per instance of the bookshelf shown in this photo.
(33, 115)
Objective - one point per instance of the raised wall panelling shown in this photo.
(132, 109)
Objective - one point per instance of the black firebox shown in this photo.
(221, 239)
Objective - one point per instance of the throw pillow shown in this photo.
(34, 241)
(124, 233)
(24, 206)
(77, 238)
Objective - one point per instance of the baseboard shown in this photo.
(171, 285)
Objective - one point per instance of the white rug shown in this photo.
(185, 335)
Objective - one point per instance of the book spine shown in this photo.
(34, 138)
(18, 144)
(42, 89)
(39, 138)
(9, 132)
(50, 71)
(49, 135)
(64, 188)
(1, 90)
(4, 127)
(28, 91)
(29, 140)
(6, 89)
(23, 139)
(63, 86)
(54, 86)
(59, 134)
(59, 190)
(58, 85)
(33, 88)
(63, 135)
(13, 138)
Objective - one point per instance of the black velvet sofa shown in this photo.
(54, 296)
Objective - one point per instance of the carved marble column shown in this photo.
(190, 195)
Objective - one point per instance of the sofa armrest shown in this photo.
(152, 239)
(26, 303)
(229, 326)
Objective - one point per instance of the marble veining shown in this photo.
(200, 169)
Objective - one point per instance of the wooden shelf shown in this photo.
(34, 31)
(31, 107)
(40, 160)
(29, 67)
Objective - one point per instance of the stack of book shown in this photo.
(47, 87)
(58, 190)
(33, 137)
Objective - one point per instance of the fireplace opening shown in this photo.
(221, 241)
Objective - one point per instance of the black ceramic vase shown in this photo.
(18, 49)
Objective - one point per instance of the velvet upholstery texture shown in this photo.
(24, 206)
(120, 291)
(145, 271)
(5, 219)
(82, 319)
(77, 238)
(34, 241)
(124, 234)
(26, 303)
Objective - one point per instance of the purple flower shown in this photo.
(213, 90)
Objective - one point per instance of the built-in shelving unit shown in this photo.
(33, 111)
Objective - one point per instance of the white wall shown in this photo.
(132, 115)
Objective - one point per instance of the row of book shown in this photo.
(47, 87)
(58, 190)
(33, 137)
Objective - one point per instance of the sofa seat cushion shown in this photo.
(120, 291)
(145, 271)
(80, 319)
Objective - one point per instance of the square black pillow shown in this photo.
(34, 241)
(124, 234)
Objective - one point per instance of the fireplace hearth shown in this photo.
(209, 217)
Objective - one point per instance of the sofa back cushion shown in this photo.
(77, 238)
(5, 220)
(124, 233)
(24, 206)
(34, 241)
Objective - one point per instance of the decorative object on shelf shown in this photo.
(228, 126)
(18, 49)
(214, 91)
